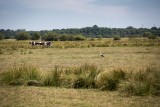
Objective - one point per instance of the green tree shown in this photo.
(1, 36)
(35, 36)
(63, 37)
(149, 35)
(22, 36)
(50, 36)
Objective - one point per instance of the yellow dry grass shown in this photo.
(61, 97)
(126, 58)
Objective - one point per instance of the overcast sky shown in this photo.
(58, 14)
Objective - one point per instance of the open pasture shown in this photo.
(126, 54)
(137, 55)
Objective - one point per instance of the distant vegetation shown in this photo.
(12, 45)
(73, 34)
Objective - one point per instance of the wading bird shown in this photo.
(101, 54)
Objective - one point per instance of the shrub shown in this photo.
(35, 36)
(78, 38)
(149, 35)
(116, 37)
(22, 36)
(152, 36)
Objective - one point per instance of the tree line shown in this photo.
(79, 34)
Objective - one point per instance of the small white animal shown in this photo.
(101, 54)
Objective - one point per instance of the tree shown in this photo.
(35, 36)
(1, 36)
(22, 36)
(95, 30)
(154, 28)
(149, 35)
(63, 37)
(130, 27)
(50, 36)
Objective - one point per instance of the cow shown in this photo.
(33, 43)
(48, 44)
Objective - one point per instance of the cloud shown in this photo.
(78, 6)
(61, 5)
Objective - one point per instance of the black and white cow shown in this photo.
(48, 44)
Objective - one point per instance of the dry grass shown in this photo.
(61, 97)
(73, 54)
(126, 58)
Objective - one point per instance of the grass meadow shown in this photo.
(72, 73)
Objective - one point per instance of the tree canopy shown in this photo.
(78, 34)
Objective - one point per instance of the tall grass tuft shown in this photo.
(110, 80)
(86, 76)
(146, 82)
(1, 52)
(53, 78)
(20, 75)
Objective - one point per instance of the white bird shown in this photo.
(101, 54)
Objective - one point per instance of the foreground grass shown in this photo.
(140, 83)
(22, 96)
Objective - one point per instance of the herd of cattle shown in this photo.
(48, 44)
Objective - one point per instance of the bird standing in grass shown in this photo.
(101, 54)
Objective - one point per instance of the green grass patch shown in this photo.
(110, 80)
(53, 78)
(86, 76)
(145, 82)
(20, 75)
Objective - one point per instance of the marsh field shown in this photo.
(72, 73)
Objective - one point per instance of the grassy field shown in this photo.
(61, 97)
(128, 58)
(126, 54)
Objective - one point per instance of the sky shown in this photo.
(60, 14)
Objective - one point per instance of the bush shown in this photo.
(152, 36)
(22, 36)
(35, 36)
(149, 35)
(116, 37)
(78, 38)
